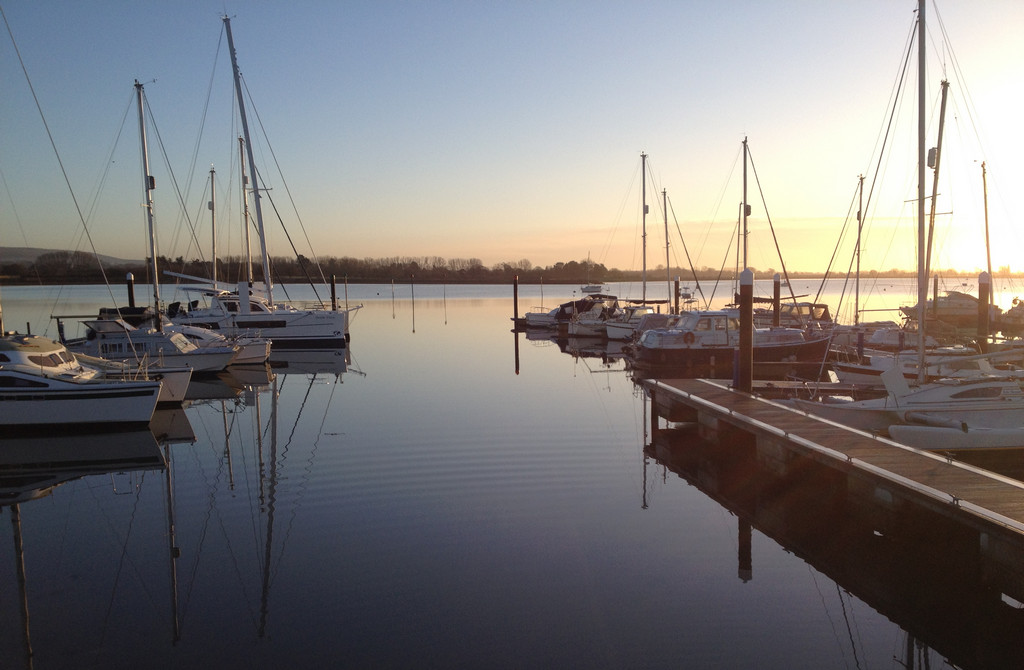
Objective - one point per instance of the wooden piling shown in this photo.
(745, 367)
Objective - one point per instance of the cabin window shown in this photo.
(231, 306)
(703, 325)
(48, 361)
(19, 382)
(981, 392)
(4, 358)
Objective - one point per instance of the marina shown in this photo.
(453, 493)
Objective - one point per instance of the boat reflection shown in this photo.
(922, 573)
(314, 361)
(34, 467)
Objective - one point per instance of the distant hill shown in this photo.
(30, 254)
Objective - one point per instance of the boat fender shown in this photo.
(689, 338)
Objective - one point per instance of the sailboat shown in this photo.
(702, 343)
(978, 413)
(117, 339)
(248, 310)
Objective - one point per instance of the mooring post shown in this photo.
(984, 291)
(777, 300)
(129, 280)
(675, 292)
(745, 368)
(515, 300)
(334, 293)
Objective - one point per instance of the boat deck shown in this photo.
(980, 498)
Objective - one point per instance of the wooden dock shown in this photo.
(884, 472)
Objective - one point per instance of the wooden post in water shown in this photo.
(745, 563)
(515, 300)
(745, 365)
(129, 280)
(777, 300)
(675, 309)
(334, 293)
(984, 291)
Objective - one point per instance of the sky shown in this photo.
(506, 131)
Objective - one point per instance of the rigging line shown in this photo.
(304, 479)
(718, 203)
(204, 116)
(828, 614)
(626, 197)
(768, 216)
(721, 270)
(56, 153)
(17, 219)
(686, 250)
(298, 256)
(204, 528)
(121, 562)
(849, 268)
(849, 630)
(284, 457)
(173, 178)
(287, 190)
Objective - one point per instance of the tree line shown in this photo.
(78, 267)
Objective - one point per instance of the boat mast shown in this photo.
(213, 227)
(668, 266)
(746, 207)
(643, 196)
(252, 163)
(934, 164)
(147, 188)
(245, 212)
(860, 228)
(922, 277)
(988, 248)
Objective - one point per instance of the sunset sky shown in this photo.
(508, 131)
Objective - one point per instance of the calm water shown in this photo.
(428, 504)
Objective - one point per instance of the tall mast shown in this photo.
(746, 207)
(922, 278)
(252, 163)
(668, 266)
(245, 211)
(935, 179)
(213, 227)
(147, 189)
(988, 248)
(860, 228)
(643, 195)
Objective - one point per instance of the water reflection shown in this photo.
(918, 571)
(33, 468)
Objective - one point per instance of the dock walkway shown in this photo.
(991, 502)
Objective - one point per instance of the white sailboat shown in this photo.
(975, 413)
(118, 340)
(250, 310)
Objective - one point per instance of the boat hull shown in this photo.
(719, 361)
(53, 403)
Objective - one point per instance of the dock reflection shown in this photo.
(925, 575)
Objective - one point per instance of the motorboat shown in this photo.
(42, 385)
(703, 340)
(116, 339)
(959, 403)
